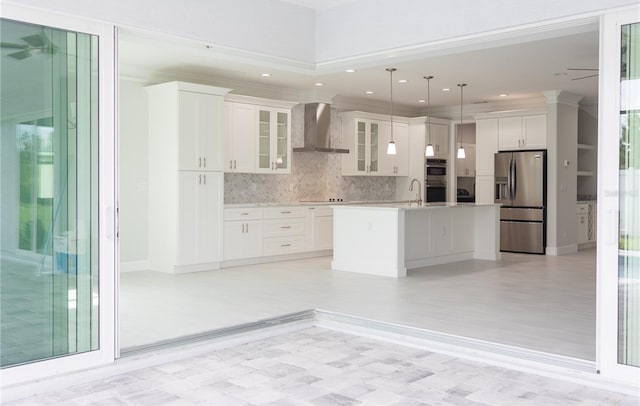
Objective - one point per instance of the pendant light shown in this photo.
(391, 148)
(429, 149)
(461, 153)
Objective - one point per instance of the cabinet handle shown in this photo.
(199, 162)
(205, 161)
(230, 164)
(204, 179)
(244, 214)
(199, 179)
(234, 164)
(285, 245)
(243, 228)
(285, 212)
(285, 227)
(247, 227)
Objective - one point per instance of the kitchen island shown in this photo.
(389, 239)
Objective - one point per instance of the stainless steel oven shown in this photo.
(435, 180)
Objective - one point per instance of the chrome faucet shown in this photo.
(419, 196)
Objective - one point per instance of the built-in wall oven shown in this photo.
(435, 180)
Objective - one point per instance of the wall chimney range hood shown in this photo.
(317, 125)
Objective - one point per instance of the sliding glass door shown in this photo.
(619, 202)
(629, 229)
(49, 273)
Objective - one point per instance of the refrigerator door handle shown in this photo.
(514, 177)
(510, 180)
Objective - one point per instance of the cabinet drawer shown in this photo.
(249, 213)
(321, 211)
(582, 208)
(283, 245)
(277, 228)
(284, 212)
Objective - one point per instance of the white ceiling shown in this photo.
(522, 71)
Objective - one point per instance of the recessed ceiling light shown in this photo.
(265, 75)
(421, 101)
(319, 84)
(350, 70)
(446, 89)
(402, 81)
(503, 95)
(369, 92)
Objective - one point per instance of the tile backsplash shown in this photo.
(314, 175)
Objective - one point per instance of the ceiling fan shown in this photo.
(585, 69)
(36, 42)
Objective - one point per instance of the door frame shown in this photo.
(107, 215)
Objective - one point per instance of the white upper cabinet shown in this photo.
(240, 137)
(366, 135)
(401, 159)
(486, 146)
(200, 122)
(258, 135)
(398, 164)
(467, 166)
(522, 132)
(439, 139)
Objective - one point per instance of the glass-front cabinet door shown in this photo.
(274, 140)
(361, 147)
(282, 141)
(264, 140)
(373, 148)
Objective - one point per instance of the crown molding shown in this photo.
(562, 97)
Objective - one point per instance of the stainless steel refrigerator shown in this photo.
(521, 189)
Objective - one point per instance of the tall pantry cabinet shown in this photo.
(186, 184)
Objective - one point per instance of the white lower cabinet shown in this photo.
(586, 223)
(257, 232)
(242, 233)
(284, 230)
(321, 224)
(199, 226)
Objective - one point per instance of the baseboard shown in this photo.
(133, 266)
(276, 258)
(564, 250)
(444, 259)
(586, 245)
(207, 266)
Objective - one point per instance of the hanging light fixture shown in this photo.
(461, 153)
(391, 148)
(429, 149)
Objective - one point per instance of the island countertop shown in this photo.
(411, 205)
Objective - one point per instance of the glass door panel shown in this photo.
(48, 253)
(374, 148)
(629, 200)
(282, 149)
(361, 148)
(264, 139)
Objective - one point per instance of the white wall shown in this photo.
(268, 27)
(363, 27)
(133, 179)
(562, 133)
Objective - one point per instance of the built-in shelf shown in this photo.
(585, 173)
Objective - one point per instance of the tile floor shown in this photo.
(321, 367)
(543, 303)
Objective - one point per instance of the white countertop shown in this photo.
(405, 205)
(310, 203)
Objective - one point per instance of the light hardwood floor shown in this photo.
(543, 303)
